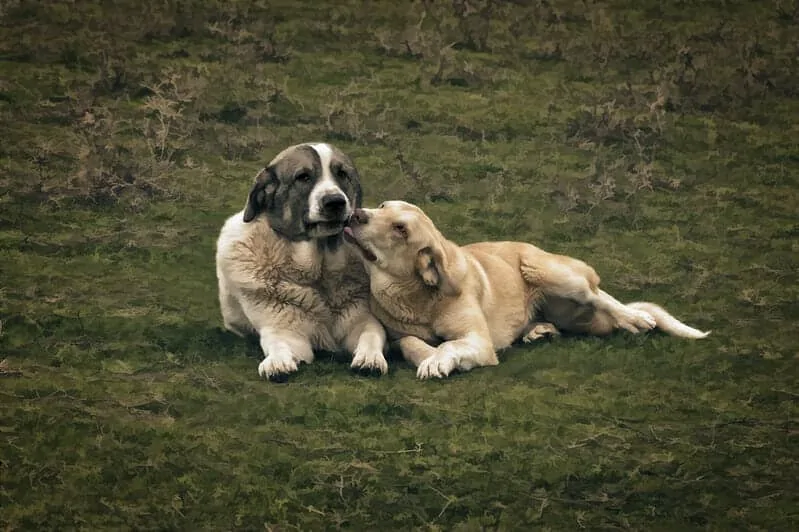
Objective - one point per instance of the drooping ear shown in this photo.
(261, 195)
(435, 269)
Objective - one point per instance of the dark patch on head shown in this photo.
(346, 176)
(281, 191)
(261, 195)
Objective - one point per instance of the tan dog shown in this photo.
(479, 298)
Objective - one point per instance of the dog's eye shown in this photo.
(381, 205)
(303, 177)
(400, 228)
(342, 174)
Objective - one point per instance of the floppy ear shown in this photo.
(261, 195)
(435, 270)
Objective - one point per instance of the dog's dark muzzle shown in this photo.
(334, 206)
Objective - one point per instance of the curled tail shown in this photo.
(668, 323)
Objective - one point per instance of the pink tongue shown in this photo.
(348, 230)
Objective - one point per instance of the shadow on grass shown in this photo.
(83, 342)
(100, 337)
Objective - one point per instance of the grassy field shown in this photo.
(655, 140)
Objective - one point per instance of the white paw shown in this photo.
(439, 365)
(277, 364)
(369, 361)
(636, 321)
(540, 330)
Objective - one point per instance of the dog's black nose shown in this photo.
(359, 217)
(333, 203)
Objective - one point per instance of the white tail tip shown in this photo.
(668, 323)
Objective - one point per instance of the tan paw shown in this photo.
(540, 330)
(636, 321)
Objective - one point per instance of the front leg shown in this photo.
(415, 350)
(366, 341)
(468, 344)
(283, 352)
(284, 338)
(470, 351)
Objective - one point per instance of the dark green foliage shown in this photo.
(656, 140)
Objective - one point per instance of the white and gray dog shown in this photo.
(283, 271)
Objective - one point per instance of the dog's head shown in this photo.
(399, 239)
(308, 191)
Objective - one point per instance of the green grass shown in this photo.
(656, 141)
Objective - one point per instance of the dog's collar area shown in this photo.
(337, 225)
(329, 230)
(293, 237)
(324, 243)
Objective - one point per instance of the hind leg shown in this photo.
(593, 310)
(624, 317)
(569, 315)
